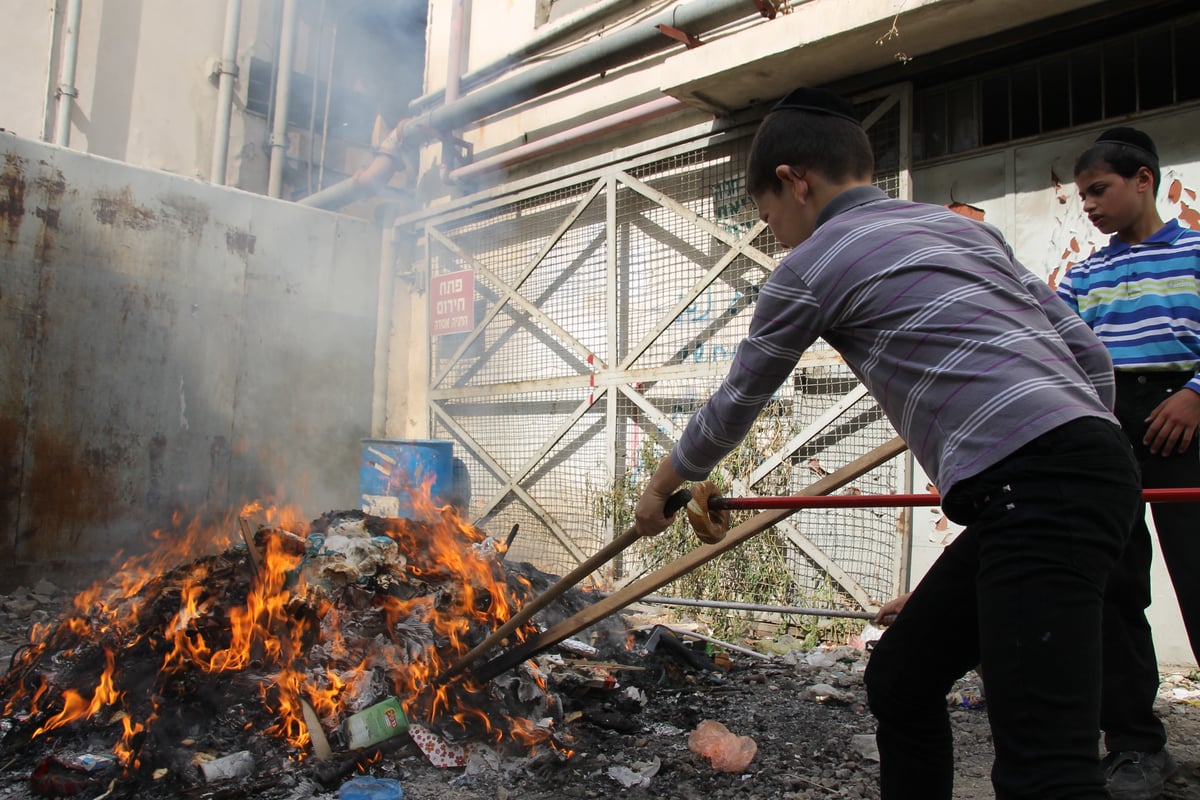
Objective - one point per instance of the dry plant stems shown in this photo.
(758, 571)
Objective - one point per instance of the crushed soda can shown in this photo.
(968, 697)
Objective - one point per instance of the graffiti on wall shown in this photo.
(733, 209)
(1074, 238)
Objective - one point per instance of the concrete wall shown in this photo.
(26, 42)
(1028, 191)
(147, 94)
(167, 345)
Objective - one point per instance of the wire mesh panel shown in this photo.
(607, 312)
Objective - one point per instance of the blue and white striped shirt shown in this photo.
(1143, 300)
(969, 354)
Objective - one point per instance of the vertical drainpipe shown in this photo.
(454, 71)
(66, 91)
(226, 74)
(47, 132)
(389, 254)
(287, 47)
(458, 13)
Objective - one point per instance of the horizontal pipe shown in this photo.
(546, 36)
(617, 49)
(637, 115)
(897, 500)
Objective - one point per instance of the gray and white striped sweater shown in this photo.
(969, 354)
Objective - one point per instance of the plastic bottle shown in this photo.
(364, 787)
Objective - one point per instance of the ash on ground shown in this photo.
(629, 727)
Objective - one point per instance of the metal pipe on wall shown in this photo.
(287, 48)
(577, 135)
(454, 68)
(458, 33)
(549, 35)
(383, 329)
(621, 47)
(227, 71)
(333, 37)
(48, 101)
(66, 91)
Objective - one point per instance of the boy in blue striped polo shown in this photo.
(1002, 393)
(1141, 295)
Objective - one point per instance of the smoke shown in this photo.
(382, 55)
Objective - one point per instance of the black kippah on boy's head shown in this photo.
(818, 101)
(1130, 137)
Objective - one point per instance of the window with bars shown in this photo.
(1135, 72)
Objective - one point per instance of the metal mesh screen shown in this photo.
(578, 379)
(885, 142)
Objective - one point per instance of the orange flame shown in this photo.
(279, 621)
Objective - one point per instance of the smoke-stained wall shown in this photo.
(169, 347)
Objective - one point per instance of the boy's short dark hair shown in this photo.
(810, 129)
(1124, 151)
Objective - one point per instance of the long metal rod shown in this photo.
(897, 500)
(727, 645)
(730, 605)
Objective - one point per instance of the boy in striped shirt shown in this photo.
(1141, 295)
(1002, 393)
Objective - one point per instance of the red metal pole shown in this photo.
(898, 500)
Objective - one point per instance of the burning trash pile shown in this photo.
(321, 644)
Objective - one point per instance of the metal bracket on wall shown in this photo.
(768, 8)
(678, 35)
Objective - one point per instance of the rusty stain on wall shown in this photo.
(12, 197)
(51, 189)
(71, 487)
(119, 208)
(102, 266)
(10, 479)
(188, 213)
(240, 243)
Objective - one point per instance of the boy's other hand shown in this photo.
(891, 609)
(1173, 423)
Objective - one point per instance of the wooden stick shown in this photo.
(252, 551)
(682, 565)
(601, 557)
(312, 722)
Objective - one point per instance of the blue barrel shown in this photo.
(392, 469)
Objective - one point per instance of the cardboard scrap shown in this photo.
(439, 752)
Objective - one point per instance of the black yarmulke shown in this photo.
(1130, 137)
(819, 101)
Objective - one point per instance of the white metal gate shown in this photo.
(607, 309)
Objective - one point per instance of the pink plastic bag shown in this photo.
(725, 751)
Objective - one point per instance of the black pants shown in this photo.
(1130, 668)
(1019, 592)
